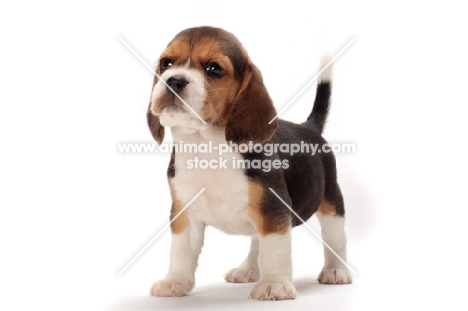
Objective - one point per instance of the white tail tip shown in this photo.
(327, 73)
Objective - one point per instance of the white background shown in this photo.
(74, 210)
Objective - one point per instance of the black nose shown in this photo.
(177, 83)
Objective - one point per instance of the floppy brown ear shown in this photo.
(251, 111)
(157, 130)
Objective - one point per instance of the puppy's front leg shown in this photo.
(273, 224)
(187, 242)
(276, 268)
(180, 279)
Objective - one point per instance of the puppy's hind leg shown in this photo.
(248, 271)
(332, 224)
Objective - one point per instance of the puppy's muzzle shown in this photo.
(176, 83)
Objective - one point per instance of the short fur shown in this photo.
(237, 108)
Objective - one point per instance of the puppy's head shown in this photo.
(206, 73)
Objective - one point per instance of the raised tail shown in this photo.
(318, 116)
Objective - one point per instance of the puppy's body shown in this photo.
(209, 70)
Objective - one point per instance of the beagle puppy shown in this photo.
(208, 91)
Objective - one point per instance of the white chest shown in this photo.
(224, 203)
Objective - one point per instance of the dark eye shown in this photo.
(165, 64)
(214, 70)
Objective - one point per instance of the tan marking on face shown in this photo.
(181, 222)
(327, 208)
(220, 92)
(178, 52)
(165, 97)
(265, 226)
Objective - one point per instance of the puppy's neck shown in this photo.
(197, 135)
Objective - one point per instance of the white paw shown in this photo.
(171, 288)
(273, 291)
(239, 275)
(335, 276)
